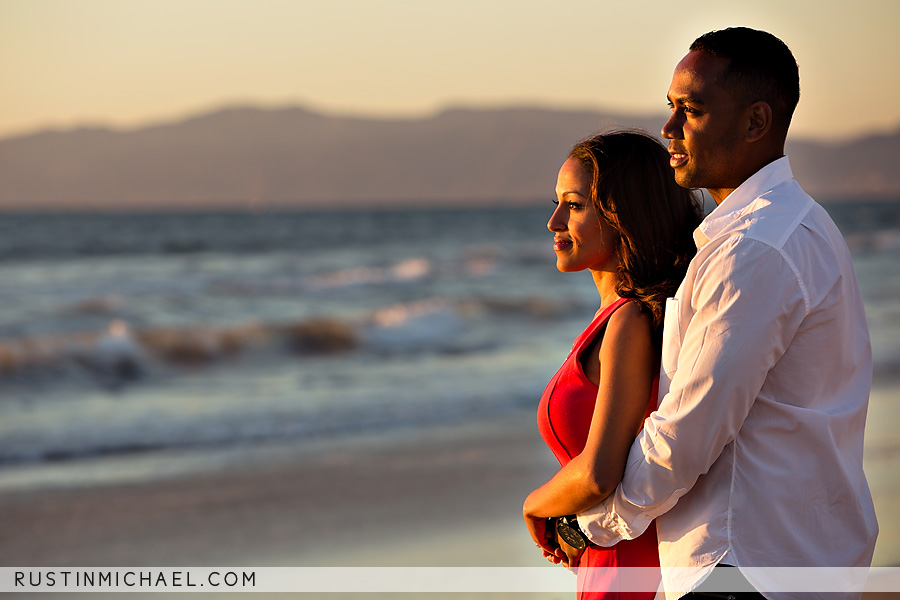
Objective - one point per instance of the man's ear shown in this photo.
(759, 122)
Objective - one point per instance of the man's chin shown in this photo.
(686, 180)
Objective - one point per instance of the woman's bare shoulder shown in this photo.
(628, 324)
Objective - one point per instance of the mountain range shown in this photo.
(254, 158)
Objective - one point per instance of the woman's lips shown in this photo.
(559, 245)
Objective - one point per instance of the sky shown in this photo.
(128, 63)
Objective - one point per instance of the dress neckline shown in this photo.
(599, 320)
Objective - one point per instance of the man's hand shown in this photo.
(572, 554)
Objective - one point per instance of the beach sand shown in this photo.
(441, 496)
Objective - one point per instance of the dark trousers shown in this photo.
(724, 596)
(743, 589)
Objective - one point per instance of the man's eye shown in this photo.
(690, 110)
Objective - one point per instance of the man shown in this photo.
(754, 457)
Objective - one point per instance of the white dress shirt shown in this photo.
(755, 453)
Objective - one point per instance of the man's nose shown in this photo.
(671, 129)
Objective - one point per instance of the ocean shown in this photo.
(125, 338)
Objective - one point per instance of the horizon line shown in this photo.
(182, 116)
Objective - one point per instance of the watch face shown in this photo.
(571, 537)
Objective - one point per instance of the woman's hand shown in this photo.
(545, 539)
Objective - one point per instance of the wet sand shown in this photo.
(443, 496)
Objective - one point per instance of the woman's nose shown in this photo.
(556, 222)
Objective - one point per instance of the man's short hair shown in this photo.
(761, 68)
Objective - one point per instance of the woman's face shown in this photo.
(581, 240)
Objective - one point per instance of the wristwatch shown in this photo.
(567, 528)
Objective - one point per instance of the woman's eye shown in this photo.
(571, 205)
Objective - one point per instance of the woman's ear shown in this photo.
(759, 122)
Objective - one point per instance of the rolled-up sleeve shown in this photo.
(737, 311)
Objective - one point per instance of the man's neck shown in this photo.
(719, 194)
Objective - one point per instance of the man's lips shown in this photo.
(676, 159)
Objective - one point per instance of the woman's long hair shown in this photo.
(633, 189)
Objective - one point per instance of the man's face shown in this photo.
(706, 128)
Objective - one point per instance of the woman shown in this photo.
(621, 216)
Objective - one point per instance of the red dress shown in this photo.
(564, 420)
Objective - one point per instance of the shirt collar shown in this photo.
(759, 183)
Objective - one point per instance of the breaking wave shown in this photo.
(122, 354)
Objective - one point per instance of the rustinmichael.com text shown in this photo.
(80, 579)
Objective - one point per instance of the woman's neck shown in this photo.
(606, 286)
